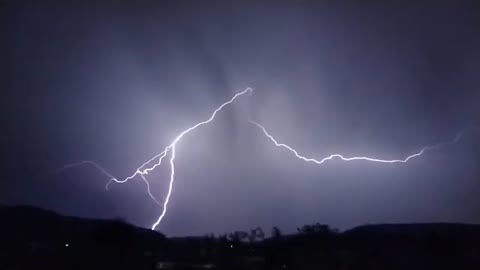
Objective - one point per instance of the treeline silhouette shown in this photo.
(32, 238)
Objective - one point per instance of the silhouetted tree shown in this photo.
(252, 236)
(255, 234)
(260, 233)
(314, 229)
(276, 232)
(238, 236)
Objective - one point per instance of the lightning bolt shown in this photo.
(339, 156)
(146, 167)
(143, 170)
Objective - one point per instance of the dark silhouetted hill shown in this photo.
(26, 223)
(32, 238)
(35, 238)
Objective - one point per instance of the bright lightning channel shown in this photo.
(144, 169)
(320, 161)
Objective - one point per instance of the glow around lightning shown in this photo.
(147, 166)
(341, 157)
(169, 151)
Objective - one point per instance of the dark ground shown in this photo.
(32, 238)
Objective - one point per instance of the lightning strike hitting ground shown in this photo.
(170, 149)
(320, 161)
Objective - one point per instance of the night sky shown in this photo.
(115, 83)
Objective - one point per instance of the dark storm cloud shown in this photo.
(115, 83)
